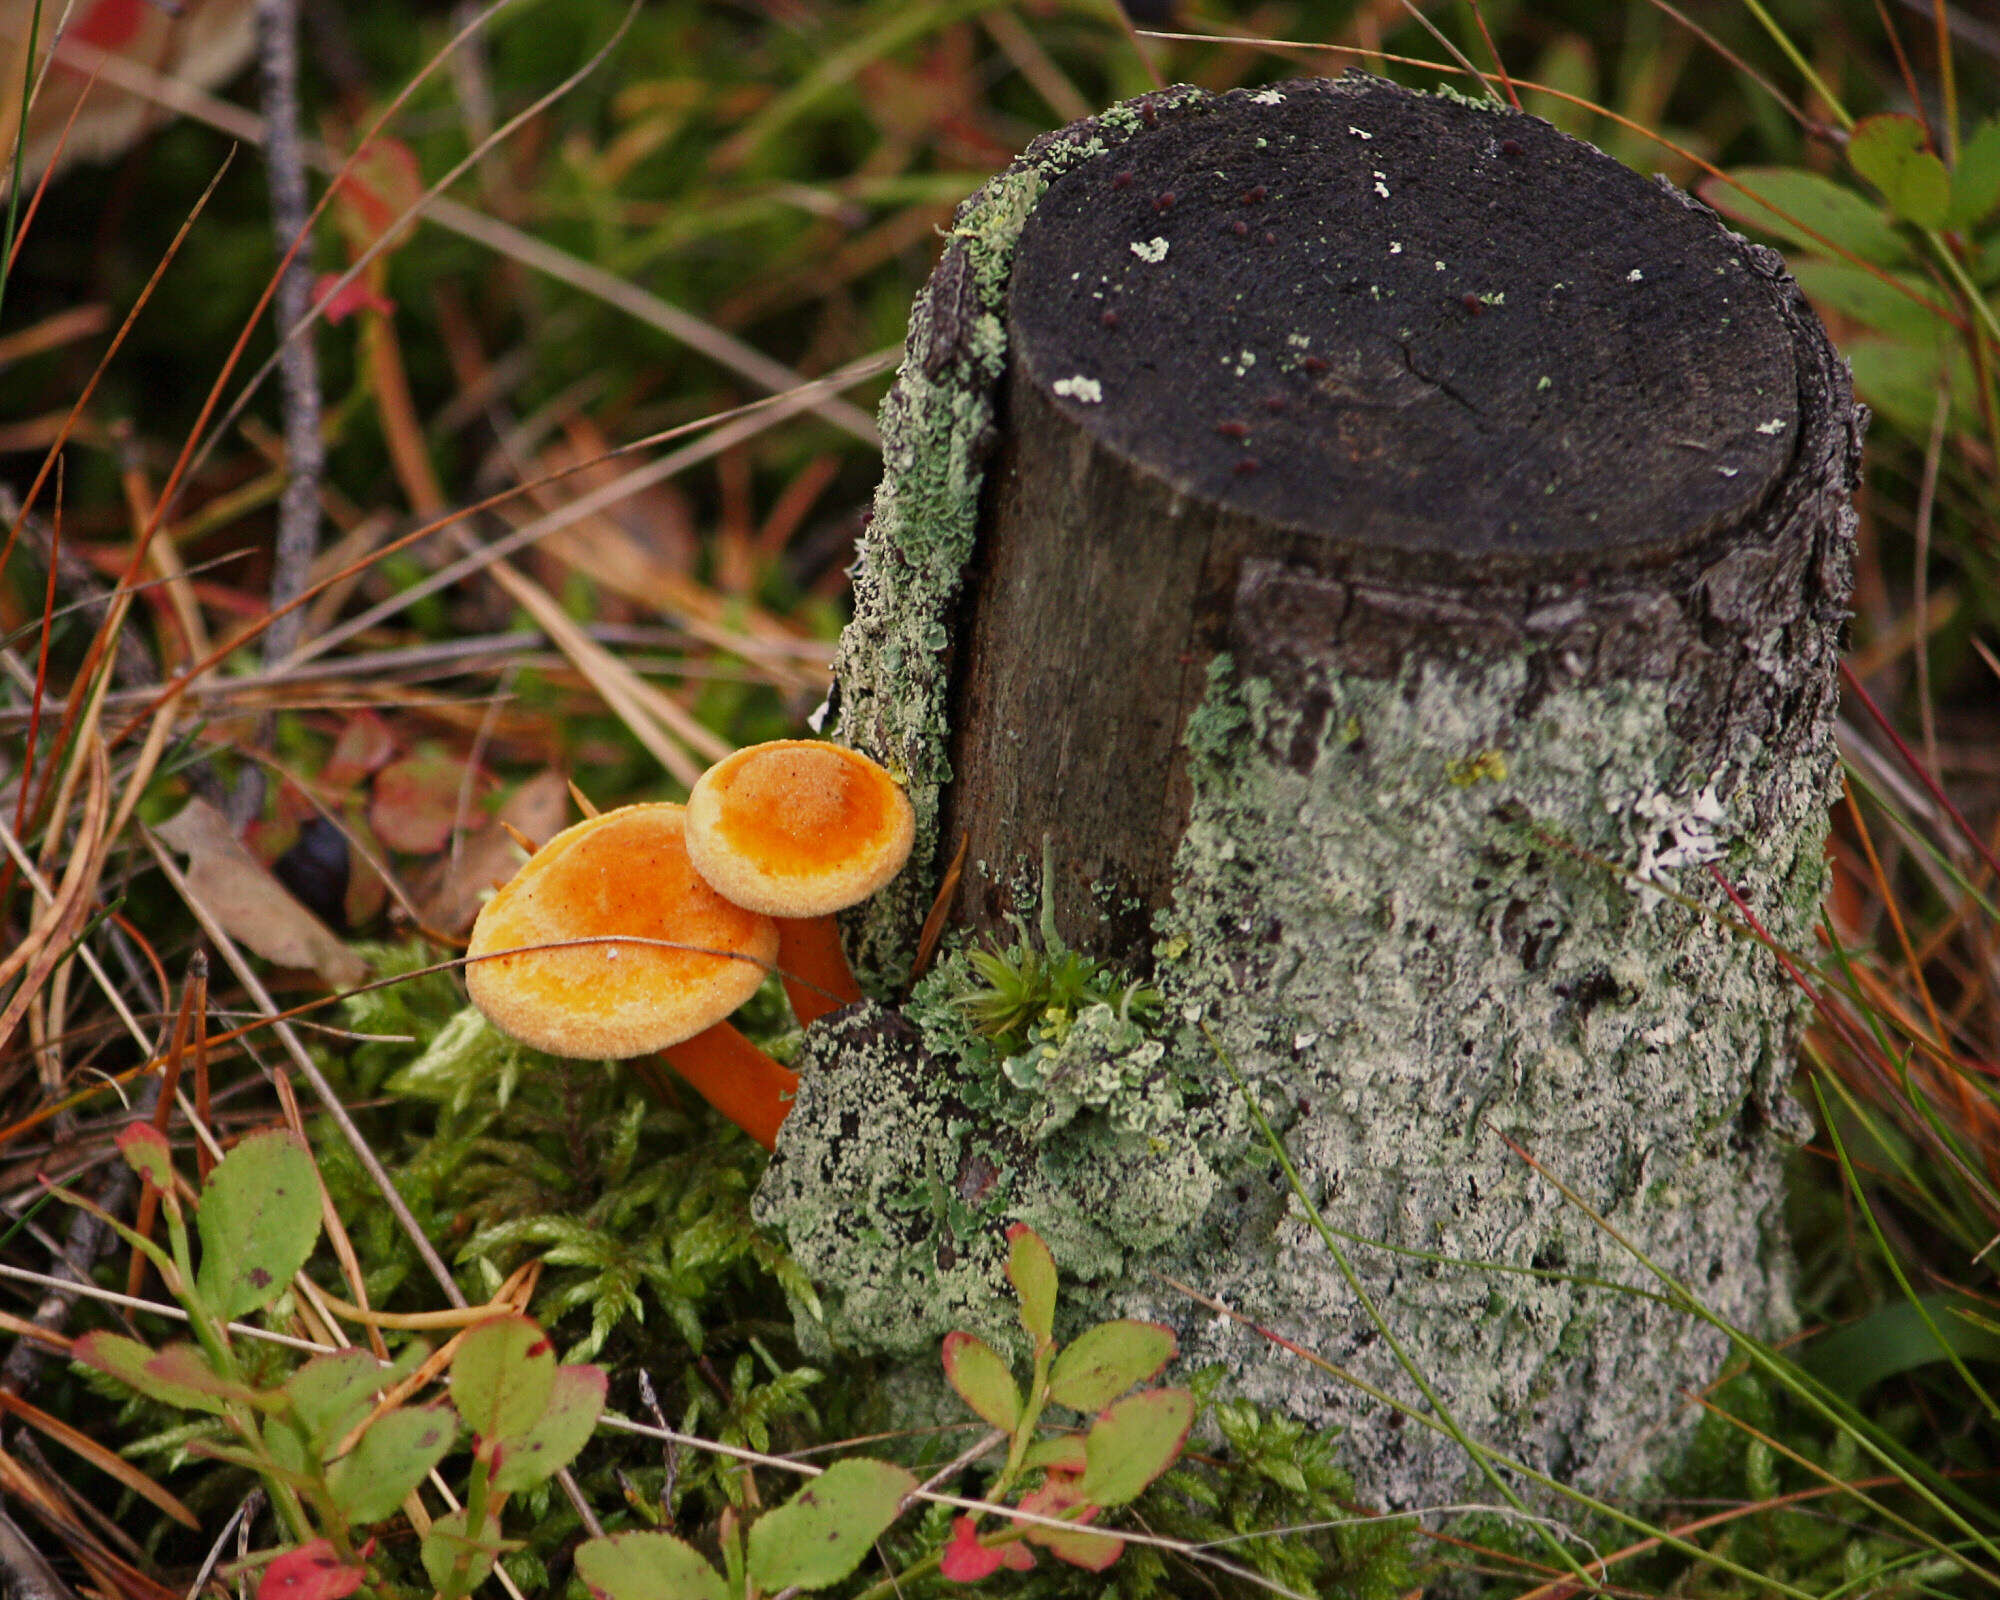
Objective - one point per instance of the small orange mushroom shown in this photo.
(693, 957)
(799, 830)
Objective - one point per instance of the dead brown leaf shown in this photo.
(251, 904)
(538, 809)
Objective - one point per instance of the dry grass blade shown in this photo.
(192, 1014)
(47, 943)
(107, 1462)
(329, 1101)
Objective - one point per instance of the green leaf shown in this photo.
(1902, 382)
(259, 1219)
(646, 1566)
(1132, 1443)
(1062, 1451)
(126, 1360)
(1874, 301)
(1888, 151)
(826, 1530)
(399, 1448)
(1841, 218)
(1975, 184)
(979, 1373)
(1032, 1271)
(446, 1542)
(331, 1393)
(1101, 1363)
(147, 1153)
(538, 1454)
(1891, 1340)
(502, 1376)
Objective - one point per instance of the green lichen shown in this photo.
(893, 667)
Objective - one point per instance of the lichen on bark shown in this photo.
(893, 667)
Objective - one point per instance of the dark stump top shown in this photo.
(1407, 325)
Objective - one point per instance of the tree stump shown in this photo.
(1386, 558)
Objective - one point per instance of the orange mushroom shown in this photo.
(693, 957)
(799, 830)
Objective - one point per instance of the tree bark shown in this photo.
(1404, 593)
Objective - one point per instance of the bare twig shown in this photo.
(284, 150)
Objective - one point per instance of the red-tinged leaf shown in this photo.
(338, 301)
(147, 1153)
(1132, 1443)
(311, 1572)
(1102, 1362)
(184, 1369)
(127, 1360)
(380, 185)
(1032, 1270)
(965, 1559)
(1059, 1498)
(364, 746)
(416, 801)
(979, 1373)
(503, 1376)
(575, 1401)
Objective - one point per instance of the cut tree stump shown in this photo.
(1387, 558)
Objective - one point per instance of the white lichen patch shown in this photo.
(1775, 426)
(1636, 275)
(1395, 247)
(1268, 97)
(1381, 184)
(1675, 832)
(1086, 391)
(1359, 133)
(1153, 251)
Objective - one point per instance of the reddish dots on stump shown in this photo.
(1253, 196)
(1109, 319)
(1472, 303)
(1312, 364)
(1121, 180)
(1150, 114)
(1232, 430)
(1164, 201)
(1270, 238)
(1275, 403)
(1246, 466)
(1511, 149)
(1239, 227)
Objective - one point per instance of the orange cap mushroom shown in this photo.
(799, 830)
(625, 875)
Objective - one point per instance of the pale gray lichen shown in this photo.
(1408, 971)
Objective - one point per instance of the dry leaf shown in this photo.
(539, 809)
(416, 801)
(250, 904)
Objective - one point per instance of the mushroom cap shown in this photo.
(796, 828)
(624, 872)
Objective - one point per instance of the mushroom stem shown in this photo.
(813, 967)
(737, 1078)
